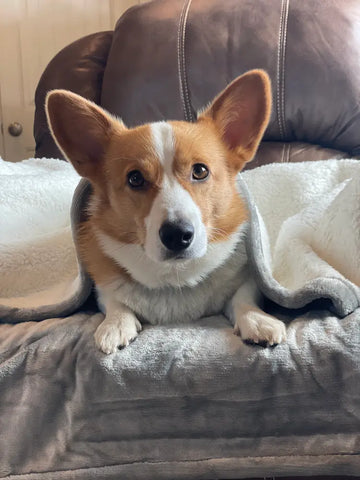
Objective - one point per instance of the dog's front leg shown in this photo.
(118, 329)
(250, 322)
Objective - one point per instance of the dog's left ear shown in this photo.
(82, 131)
(241, 114)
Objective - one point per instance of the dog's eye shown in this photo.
(135, 179)
(200, 171)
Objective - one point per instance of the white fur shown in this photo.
(229, 288)
(250, 322)
(153, 274)
(164, 144)
(118, 329)
(175, 304)
(173, 203)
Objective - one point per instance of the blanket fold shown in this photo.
(303, 236)
(299, 269)
(41, 274)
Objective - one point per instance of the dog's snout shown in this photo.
(176, 236)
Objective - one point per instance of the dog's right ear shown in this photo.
(241, 114)
(81, 130)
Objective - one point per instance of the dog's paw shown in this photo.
(112, 334)
(256, 327)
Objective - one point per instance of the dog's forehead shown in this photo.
(178, 141)
(164, 144)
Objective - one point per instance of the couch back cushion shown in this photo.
(170, 57)
(79, 67)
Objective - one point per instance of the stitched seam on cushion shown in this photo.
(283, 153)
(182, 75)
(179, 47)
(187, 93)
(288, 153)
(278, 73)
(280, 94)
(285, 30)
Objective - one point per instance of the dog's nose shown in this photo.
(176, 236)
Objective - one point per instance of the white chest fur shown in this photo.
(173, 304)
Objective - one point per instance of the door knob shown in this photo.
(15, 129)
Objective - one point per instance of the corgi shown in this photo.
(164, 240)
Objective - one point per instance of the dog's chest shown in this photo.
(175, 305)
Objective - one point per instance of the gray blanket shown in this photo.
(181, 402)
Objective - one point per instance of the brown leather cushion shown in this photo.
(79, 67)
(279, 152)
(159, 66)
(310, 49)
(141, 77)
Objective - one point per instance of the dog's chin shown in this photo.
(177, 259)
(182, 257)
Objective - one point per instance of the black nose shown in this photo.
(176, 236)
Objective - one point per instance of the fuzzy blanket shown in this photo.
(303, 239)
(304, 232)
(40, 276)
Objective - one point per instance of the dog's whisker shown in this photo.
(216, 229)
(178, 280)
(215, 232)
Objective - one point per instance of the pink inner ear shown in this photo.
(242, 111)
(81, 129)
(89, 141)
(243, 116)
(237, 131)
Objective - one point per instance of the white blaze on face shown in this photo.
(173, 203)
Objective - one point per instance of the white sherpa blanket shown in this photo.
(304, 233)
(35, 234)
(38, 263)
(303, 238)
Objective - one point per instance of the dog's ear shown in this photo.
(241, 113)
(81, 129)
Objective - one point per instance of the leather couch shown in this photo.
(168, 58)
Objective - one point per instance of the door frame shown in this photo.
(2, 139)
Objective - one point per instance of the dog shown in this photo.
(164, 240)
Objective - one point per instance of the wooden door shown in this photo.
(31, 33)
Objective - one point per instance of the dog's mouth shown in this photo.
(168, 257)
(182, 257)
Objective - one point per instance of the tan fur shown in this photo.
(101, 268)
(121, 211)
